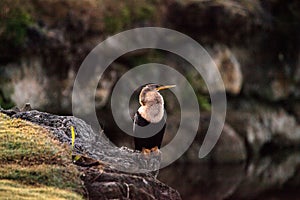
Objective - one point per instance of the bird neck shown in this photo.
(153, 113)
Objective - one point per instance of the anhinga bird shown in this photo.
(149, 121)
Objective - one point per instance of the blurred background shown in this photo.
(255, 45)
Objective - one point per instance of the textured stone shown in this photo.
(229, 68)
(261, 125)
(230, 147)
(107, 171)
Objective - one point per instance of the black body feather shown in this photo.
(152, 141)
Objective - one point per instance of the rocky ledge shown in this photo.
(107, 172)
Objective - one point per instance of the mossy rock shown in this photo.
(32, 162)
(40, 161)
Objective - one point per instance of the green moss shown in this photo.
(199, 87)
(6, 104)
(23, 141)
(14, 23)
(145, 12)
(6, 90)
(15, 19)
(30, 156)
(12, 190)
(152, 56)
(204, 102)
(47, 175)
(115, 22)
(123, 15)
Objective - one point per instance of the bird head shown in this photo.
(149, 94)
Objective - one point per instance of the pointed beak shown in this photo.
(163, 87)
